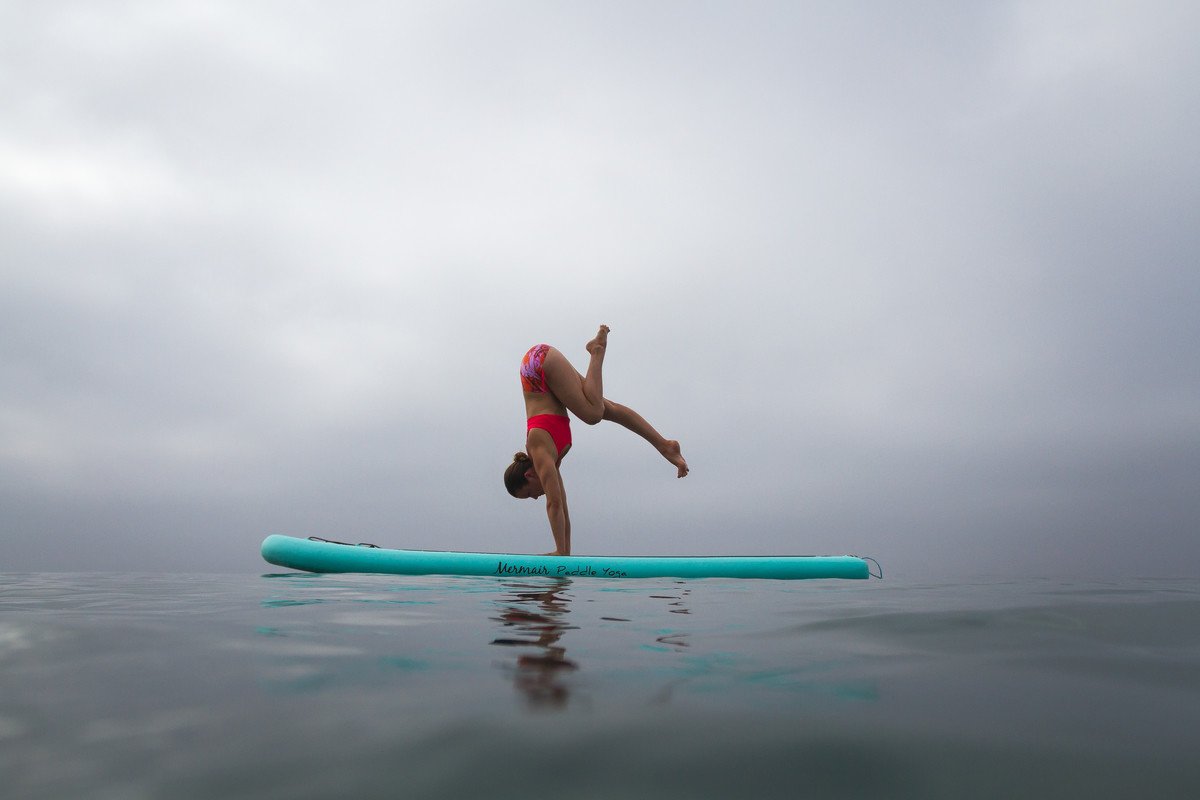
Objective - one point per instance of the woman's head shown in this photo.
(520, 479)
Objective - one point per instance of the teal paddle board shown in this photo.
(321, 555)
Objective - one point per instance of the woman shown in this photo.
(552, 387)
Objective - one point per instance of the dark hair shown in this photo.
(514, 476)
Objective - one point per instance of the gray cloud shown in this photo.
(912, 282)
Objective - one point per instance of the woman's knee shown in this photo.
(591, 416)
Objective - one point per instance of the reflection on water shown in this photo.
(534, 617)
(675, 640)
(537, 615)
(678, 606)
(568, 642)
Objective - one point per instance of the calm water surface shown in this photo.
(297, 686)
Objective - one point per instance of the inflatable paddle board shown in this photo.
(322, 555)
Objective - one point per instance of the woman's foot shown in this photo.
(596, 346)
(670, 451)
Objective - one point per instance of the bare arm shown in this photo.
(567, 517)
(556, 499)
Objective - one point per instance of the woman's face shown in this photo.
(532, 489)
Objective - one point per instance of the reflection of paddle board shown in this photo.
(319, 555)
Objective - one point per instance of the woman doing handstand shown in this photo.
(552, 387)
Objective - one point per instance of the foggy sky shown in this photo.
(917, 281)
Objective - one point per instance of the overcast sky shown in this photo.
(914, 280)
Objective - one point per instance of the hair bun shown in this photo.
(520, 457)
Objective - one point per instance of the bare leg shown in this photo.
(582, 395)
(593, 382)
(628, 418)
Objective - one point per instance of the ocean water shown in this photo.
(311, 686)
